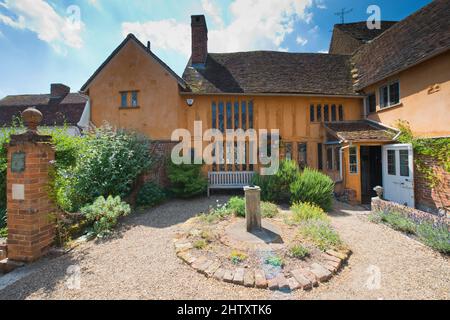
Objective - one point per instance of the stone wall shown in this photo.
(414, 214)
(428, 199)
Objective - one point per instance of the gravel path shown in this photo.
(141, 264)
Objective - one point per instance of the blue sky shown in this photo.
(45, 41)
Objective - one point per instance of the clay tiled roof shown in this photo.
(269, 72)
(359, 30)
(411, 41)
(55, 111)
(359, 131)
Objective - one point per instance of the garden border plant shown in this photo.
(435, 235)
(305, 259)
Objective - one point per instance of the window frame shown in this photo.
(388, 102)
(302, 146)
(122, 95)
(330, 158)
(134, 94)
(391, 154)
(352, 165)
(374, 95)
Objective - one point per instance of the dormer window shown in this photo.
(390, 95)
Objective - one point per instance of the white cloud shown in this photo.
(314, 30)
(323, 51)
(301, 41)
(254, 25)
(41, 18)
(94, 3)
(164, 34)
(213, 11)
(320, 4)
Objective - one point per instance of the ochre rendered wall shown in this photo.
(424, 98)
(132, 69)
(291, 115)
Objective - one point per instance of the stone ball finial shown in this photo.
(32, 118)
(379, 190)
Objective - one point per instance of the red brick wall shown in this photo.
(30, 228)
(199, 40)
(161, 151)
(431, 199)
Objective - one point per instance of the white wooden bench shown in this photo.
(229, 180)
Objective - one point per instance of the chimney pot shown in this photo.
(59, 90)
(199, 40)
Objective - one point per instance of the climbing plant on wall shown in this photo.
(435, 148)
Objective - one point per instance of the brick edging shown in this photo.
(301, 278)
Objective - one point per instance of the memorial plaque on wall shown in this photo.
(18, 162)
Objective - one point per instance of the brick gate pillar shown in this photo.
(30, 226)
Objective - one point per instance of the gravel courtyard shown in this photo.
(141, 264)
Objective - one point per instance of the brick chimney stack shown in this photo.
(58, 90)
(199, 40)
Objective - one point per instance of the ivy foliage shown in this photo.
(435, 148)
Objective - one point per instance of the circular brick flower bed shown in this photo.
(225, 251)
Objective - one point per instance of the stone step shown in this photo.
(239, 276)
(260, 279)
(322, 274)
(300, 277)
(249, 278)
(283, 284)
(336, 254)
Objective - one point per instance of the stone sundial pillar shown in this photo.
(253, 208)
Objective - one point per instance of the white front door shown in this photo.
(398, 174)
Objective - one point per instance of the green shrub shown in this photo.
(150, 195)
(67, 147)
(268, 209)
(3, 229)
(275, 261)
(186, 180)
(302, 211)
(237, 257)
(5, 136)
(321, 234)
(398, 222)
(436, 237)
(276, 188)
(104, 214)
(299, 251)
(237, 206)
(217, 213)
(313, 187)
(2, 218)
(110, 164)
(268, 185)
(200, 244)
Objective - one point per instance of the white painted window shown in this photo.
(353, 159)
(390, 94)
